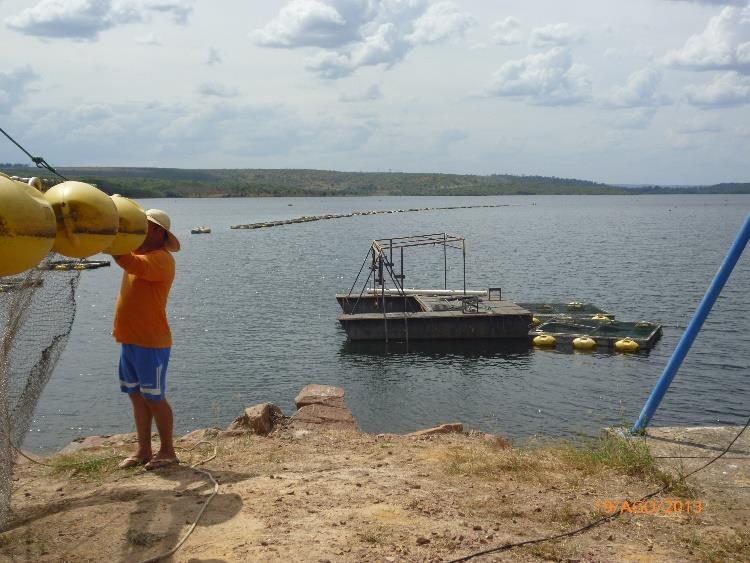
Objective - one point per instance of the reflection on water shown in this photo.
(498, 349)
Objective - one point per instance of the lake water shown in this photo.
(253, 316)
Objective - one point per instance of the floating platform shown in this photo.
(604, 332)
(401, 314)
(574, 309)
(431, 317)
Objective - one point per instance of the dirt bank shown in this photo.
(349, 496)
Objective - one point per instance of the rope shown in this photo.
(598, 521)
(202, 510)
(38, 160)
(19, 452)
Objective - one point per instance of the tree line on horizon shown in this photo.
(179, 182)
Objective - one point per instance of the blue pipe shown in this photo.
(683, 346)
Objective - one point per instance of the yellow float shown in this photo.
(584, 343)
(535, 321)
(644, 325)
(86, 217)
(598, 317)
(627, 345)
(27, 226)
(132, 227)
(544, 340)
(575, 306)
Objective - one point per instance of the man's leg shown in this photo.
(162, 413)
(143, 417)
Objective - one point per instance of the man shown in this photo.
(141, 326)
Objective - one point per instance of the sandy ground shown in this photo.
(348, 496)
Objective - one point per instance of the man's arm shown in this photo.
(155, 266)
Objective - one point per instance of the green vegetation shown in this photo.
(628, 456)
(88, 467)
(594, 457)
(178, 182)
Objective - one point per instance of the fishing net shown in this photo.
(37, 309)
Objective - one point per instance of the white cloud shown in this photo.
(85, 19)
(370, 95)
(80, 19)
(310, 23)
(385, 46)
(723, 45)
(506, 32)
(180, 10)
(355, 33)
(214, 57)
(150, 39)
(549, 78)
(555, 35)
(217, 90)
(441, 21)
(726, 90)
(640, 90)
(14, 86)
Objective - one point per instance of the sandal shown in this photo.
(158, 463)
(131, 461)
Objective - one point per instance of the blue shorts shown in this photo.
(144, 371)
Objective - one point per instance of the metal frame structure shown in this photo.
(381, 262)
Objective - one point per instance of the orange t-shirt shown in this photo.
(141, 308)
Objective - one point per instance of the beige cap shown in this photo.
(162, 219)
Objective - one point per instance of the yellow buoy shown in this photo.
(27, 227)
(644, 324)
(584, 343)
(132, 228)
(535, 321)
(87, 219)
(627, 345)
(544, 340)
(599, 317)
(575, 306)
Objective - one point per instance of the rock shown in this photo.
(422, 540)
(316, 416)
(455, 427)
(258, 419)
(320, 395)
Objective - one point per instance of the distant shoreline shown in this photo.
(138, 182)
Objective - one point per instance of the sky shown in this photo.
(625, 92)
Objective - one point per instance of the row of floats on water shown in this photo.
(575, 317)
(586, 343)
(74, 219)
